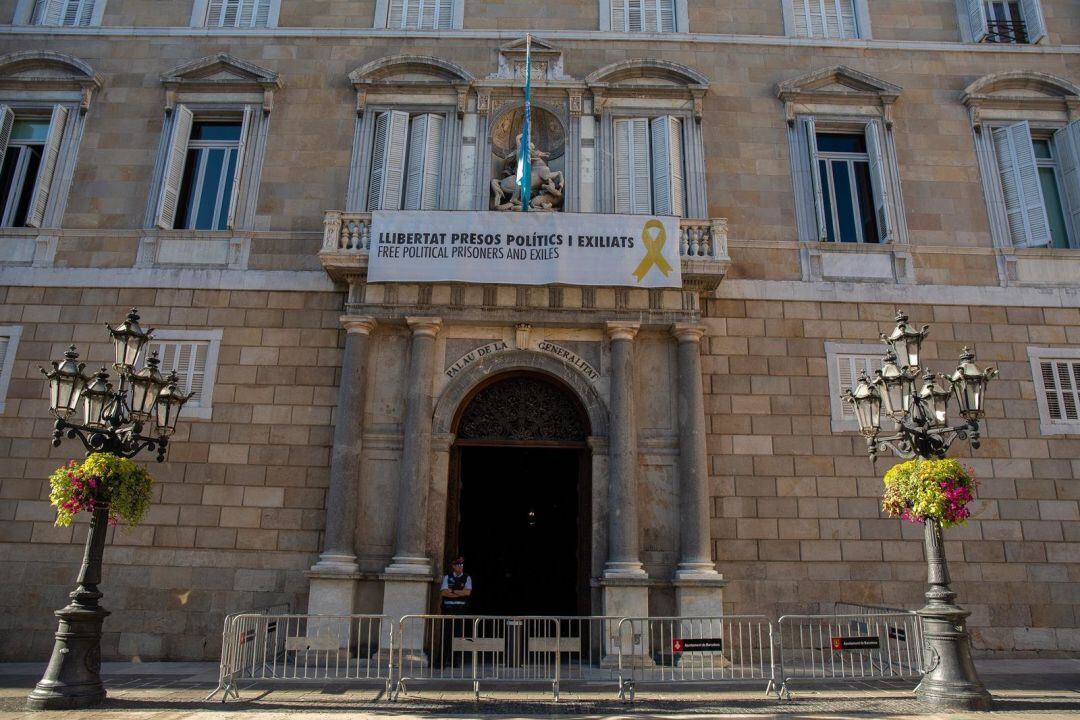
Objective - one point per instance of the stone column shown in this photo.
(626, 591)
(697, 584)
(406, 582)
(333, 577)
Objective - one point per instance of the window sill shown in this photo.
(28, 247)
(193, 248)
(1039, 267)
(851, 262)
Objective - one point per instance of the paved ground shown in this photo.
(1037, 689)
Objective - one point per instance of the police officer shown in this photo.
(456, 589)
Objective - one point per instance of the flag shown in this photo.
(524, 166)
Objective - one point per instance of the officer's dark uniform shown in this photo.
(454, 606)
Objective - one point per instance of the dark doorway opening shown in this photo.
(519, 529)
(519, 501)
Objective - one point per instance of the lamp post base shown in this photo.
(73, 678)
(950, 680)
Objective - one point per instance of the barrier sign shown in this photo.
(856, 643)
(697, 645)
(533, 248)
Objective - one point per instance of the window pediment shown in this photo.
(649, 78)
(410, 74)
(1001, 95)
(34, 70)
(838, 86)
(221, 73)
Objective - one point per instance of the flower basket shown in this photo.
(101, 480)
(920, 490)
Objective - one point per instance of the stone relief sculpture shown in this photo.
(546, 185)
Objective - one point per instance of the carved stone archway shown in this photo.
(519, 408)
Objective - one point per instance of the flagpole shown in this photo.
(524, 156)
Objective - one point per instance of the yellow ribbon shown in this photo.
(654, 246)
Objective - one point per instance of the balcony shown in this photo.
(703, 248)
(1007, 31)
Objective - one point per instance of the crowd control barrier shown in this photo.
(301, 648)
(866, 645)
(707, 650)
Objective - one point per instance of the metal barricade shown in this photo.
(866, 646)
(850, 608)
(301, 648)
(488, 649)
(708, 650)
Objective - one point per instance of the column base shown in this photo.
(950, 681)
(407, 593)
(72, 679)
(625, 570)
(335, 563)
(409, 565)
(626, 598)
(698, 593)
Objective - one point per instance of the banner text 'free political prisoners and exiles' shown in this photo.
(517, 248)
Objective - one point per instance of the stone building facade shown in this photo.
(346, 436)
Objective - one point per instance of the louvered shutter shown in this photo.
(425, 163)
(238, 172)
(813, 200)
(667, 15)
(1061, 385)
(188, 359)
(1028, 223)
(800, 19)
(388, 160)
(230, 10)
(245, 13)
(849, 27)
(397, 14)
(667, 166)
(650, 15)
(878, 182)
(262, 13)
(633, 185)
(618, 15)
(634, 15)
(444, 14)
(53, 12)
(848, 368)
(47, 170)
(427, 14)
(7, 123)
(973, 13)
(173, 175)
(213, 13)
(1067, 149)
(1033, 20)
(5, 343)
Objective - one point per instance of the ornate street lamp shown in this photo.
(113, 421)
(923, 431)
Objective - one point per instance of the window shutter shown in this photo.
(633, 186)
(1033, 20)
(800, 19)
(53, 12)
(633, 15)
(49, 156)
(188, 359)
(650, 15)
(878, 182)
(667, 163)
(1061, 385)
(973, 16)
(425, 161)
(245, 13)
(262, 13)
(213, 13)
(618, 15)
(397, 14)
(238, 173)
(7, 122)
(1028, 223)
(173, 175)
(444, 14)
(667, 15)
(388, 160)
(813, 200)
(849, 27)
(427, 14)
(848, 368)
(1067, 147)
(5, 342)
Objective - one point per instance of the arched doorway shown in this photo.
(519, 497)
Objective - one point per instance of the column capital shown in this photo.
(360, 324)
(622, 330)
(688, 332)
(428, 326)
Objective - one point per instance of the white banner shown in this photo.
(524, 248)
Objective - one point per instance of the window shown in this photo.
(406, 161)
(846, 362)
(9, 343)
(648, 166)
(828, 19)
(66, 13)
(1039, 176)
(643, 15)
(30, 143)
(1001, 21)
(1056, 372)
(237, 13)
(203, 169)
(420, 15)
(193, 354)
(841, 181)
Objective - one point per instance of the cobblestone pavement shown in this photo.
(176, 691)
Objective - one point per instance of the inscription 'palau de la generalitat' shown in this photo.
(571, 358)
(473, 355)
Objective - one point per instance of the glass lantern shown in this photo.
(66, 384)
(866, 401)
(895, 385)
(96, 397)
(168, 406)
(969, 386)
(128, 338)
(935, 401)
(906, 340)
(146, 385)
